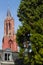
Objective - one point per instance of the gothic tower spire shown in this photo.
(8, 13)
(9, 40)
(9, 25)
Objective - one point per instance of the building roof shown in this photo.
(8, 13)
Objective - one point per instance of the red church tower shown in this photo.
(9, 39)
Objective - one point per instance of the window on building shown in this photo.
(9, 26)
(7, 57)
(10, 43)
(6, 28)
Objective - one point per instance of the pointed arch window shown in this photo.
(6, 28)
(9, 26)
(10, 43)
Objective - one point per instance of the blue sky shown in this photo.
(13, 5)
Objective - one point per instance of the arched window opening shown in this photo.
(6, 28)
(8, 57)
(10, 43)
(9, 26)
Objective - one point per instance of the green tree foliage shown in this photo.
(30, 14)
